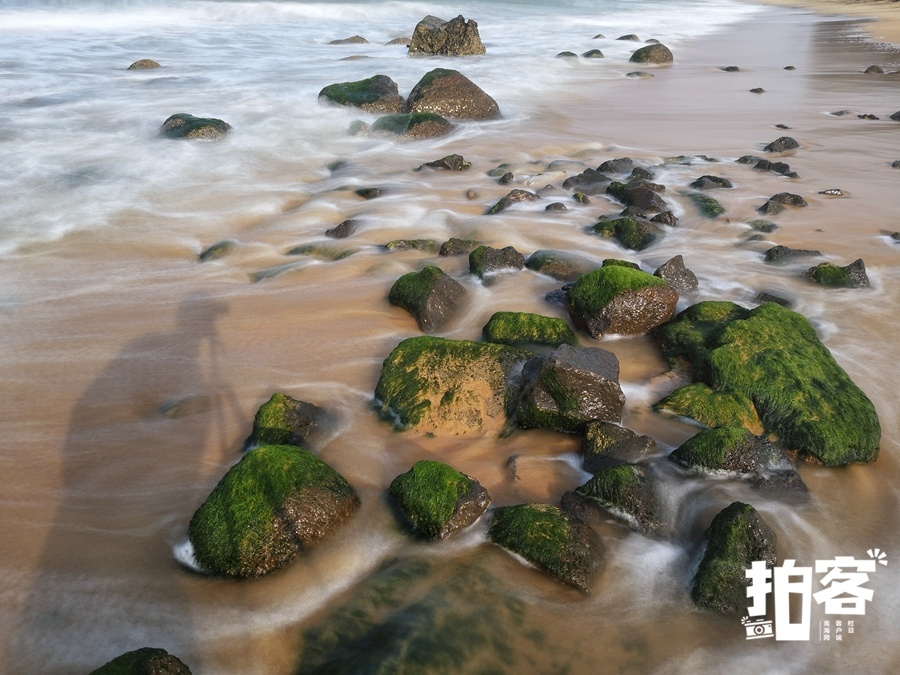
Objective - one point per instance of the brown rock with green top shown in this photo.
(606, 444)
(451, 94)
(283, 420)
(435, 500)
(850, 276)
(414, 125)
(554, 541)
(618, 299)
(431, 296)
(635, 234)
(277, 502)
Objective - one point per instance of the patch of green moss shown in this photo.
(597, 289)
(609, 262)
(829, 274)
(710, 447)
(358, 93)
(427, 495)
(411, 290)
(630, 233)
(520, 328)
(240, 530)
(277, 420)
(707, 205)
(537, 532)
(712, 408)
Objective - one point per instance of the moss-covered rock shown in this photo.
(426, 245)
(523, 328)
(415, 125)
(712, 408)
(448, 386)
(283, 420)
(733, 449)
(556, 542)
(276, 502)
(851, 276)
(632, 233)
(708, 206)
(486, 260)
(737, 537)
(144, 661)
(378, 93)
(436, 500)
(183, 125)
(605, 444)
(773, 356)
(627, 491)
(617, 299)
(570, 387)
(432, 297)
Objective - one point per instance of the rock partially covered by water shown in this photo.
(708, 206)
(640, 193)
(456, 37)
(778, 254)
(144, 661)
(450, 163)
(654, 53)
(561, 265)
(737, 537)
(415, 125)
(635, 234)
(677, 275)
(782, 144)
(436, 501)
(618, 299)
(524, 328)
(451, 94)
(570, 387)
(183, 125)
(851, 276)
(513, 197)
(283, 420)
(445, 386)
(486, 260)
(605, 445)
(711, 408)
(278, 501)
(556, 542)
(378, 93)
(628, 491)
(144, 64)
(736, 450)
(772, 355)
(431, 296)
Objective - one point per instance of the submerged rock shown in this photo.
(737, 537)
(456, 37)
(183, 125)
(605, 445)
(144, 661)
(451, 94)
(283, 420)
(414, 125)
(851, 276)
(640, 193)
(218, 250)
(436, 500)
(343, 229)
(589, 181)
(432, 384)
(707, 205)
(556, 542)
(709, 182)
(570, 387)
(455, 246)
(677, 275)
(513, 197)
(276, 502)
(378, 93)
(618, 165)
(450, 163)
(431, 296)
(523, 328)
(773, 356)
(617, 299)
(561, 265)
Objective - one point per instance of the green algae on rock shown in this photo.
(430, 295)
(274, 503)
(631, 233)
(605, 444)
(436, 500)
(283, 420)
(712, 408)
(618, 299)
(523, 328)
(415, 125)
(773, 356)
(554, 541)
(708, 206)
(438, 385)
(378, 93)
(738, 536)
(183, 125)
(144, 661)
(849, 276)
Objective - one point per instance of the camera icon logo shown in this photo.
(757, 629)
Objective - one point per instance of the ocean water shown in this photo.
(130, 371)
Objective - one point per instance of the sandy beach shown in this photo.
(885, 14)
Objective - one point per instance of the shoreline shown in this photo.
(882, 17)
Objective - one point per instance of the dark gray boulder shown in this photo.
(641, 193)
(378, 93)
(589, 181)
(450, 163)
(144, 661)
(570, 387)
(709, 182)
(653, 53)
(456, 37)
(453, 95)
(782, 144)
(677, 275)
(485, 260)
(619, 165)
(737, 537)
(455, 246)
(665, 218)
(431, 296)
(513, 197)
(343, 229)
(183, 125)
(605, 444)
(788, 199)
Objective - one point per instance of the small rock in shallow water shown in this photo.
(757, 90)
(782, 144)
(144, 64)
(874, 70)
(183, 125)
(832, 192)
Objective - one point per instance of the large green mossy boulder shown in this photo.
(436, 500)
(283, 420)
(737, 537)
(277, 501)
(144, 661)
(445, 386)
(556, 542)
(431, 296)
(618, 299)
(415, 125)
(378, 93)
(712, 408)
(632, 233)
(523, 328)
(627, 491)
(772, 355)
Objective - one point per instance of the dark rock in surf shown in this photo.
(513, 197)
(851, 276)
(620, 165)
(456, 37)
(183, 125)
(485, 260)
(451, 94)
(640, 193)
(414, 126)
(708, 182)
(561, 265)
(665, 218)
(592, 54)
(874, 70)
(343, 229)
(782, 144)
(455, 246)
(634, 234)
(431, 296)
(778, 254)
(450, 163)
(590, 181)
(144, 64)
(630, 37)
(378, 93)
(144, 661)
(606, 444)
(677, 275)
(353, 40)
(654, 53)
(218, 250)
(283, 420)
